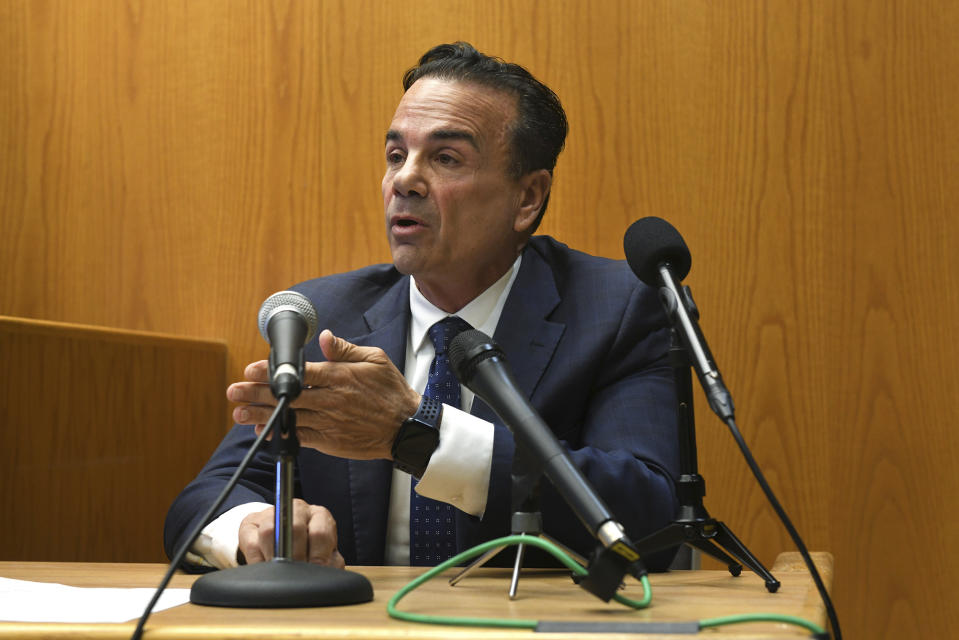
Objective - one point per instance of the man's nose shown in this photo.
(410, 180)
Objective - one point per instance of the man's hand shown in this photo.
(352, 406)
(314, 536)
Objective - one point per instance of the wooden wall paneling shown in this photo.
(102, 429)
(820, 298)
(165, 167)
(900, 223)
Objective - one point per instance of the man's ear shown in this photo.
(535, 187)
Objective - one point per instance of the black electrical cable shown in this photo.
(181, 552)
(823, 593)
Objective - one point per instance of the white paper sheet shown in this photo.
(24, 601)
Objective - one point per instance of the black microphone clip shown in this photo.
(285, 377)
(610, 561)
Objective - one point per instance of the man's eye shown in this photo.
(445, 158)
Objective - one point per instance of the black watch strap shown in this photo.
(418, 437)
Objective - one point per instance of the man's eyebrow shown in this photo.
(454, 134)
(440, 134)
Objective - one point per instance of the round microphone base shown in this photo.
(281, 584)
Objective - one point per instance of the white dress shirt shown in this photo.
(459, 469)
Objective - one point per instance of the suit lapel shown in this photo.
(529, 340)
(370, 480)
(388, 321)
(524, 333)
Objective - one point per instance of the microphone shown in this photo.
(659, 257)
(288, 321)
(481, 365)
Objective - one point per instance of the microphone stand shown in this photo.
(693, 525)
(526, 520)
(282, 582)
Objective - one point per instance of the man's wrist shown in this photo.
(418, 437)
(218, 543)
(459, 469)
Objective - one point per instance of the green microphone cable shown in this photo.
(469, 554)
(578, 570)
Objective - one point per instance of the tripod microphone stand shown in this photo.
(526, 520)
(693, 525)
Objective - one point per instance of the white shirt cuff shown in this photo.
(459, 470)
(217, 544)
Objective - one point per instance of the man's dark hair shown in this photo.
(539, 132)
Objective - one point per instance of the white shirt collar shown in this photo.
(482, 312)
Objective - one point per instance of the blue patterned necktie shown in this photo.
(432, 523)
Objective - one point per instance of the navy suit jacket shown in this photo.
(587, 342)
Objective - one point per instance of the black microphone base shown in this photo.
(281, 584)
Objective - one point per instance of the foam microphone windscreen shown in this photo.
(650, 242)
(467, 350)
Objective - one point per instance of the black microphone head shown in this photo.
(288, 301)
(650, 242)
(467, 350)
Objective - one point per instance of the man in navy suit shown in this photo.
(469, 155)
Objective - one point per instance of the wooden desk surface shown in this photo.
(543, 595)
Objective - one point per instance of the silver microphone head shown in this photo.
(288, 301)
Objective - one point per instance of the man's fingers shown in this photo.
(251, 535)
(322, 536)
(258, 371)
(333, 348)
(253, 414)
(255, 399)
(265, 539)
(314, 535)
(339, 350)
(301, 517)
(250, 393)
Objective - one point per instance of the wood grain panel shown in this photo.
(102, 429)
(166, 166)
